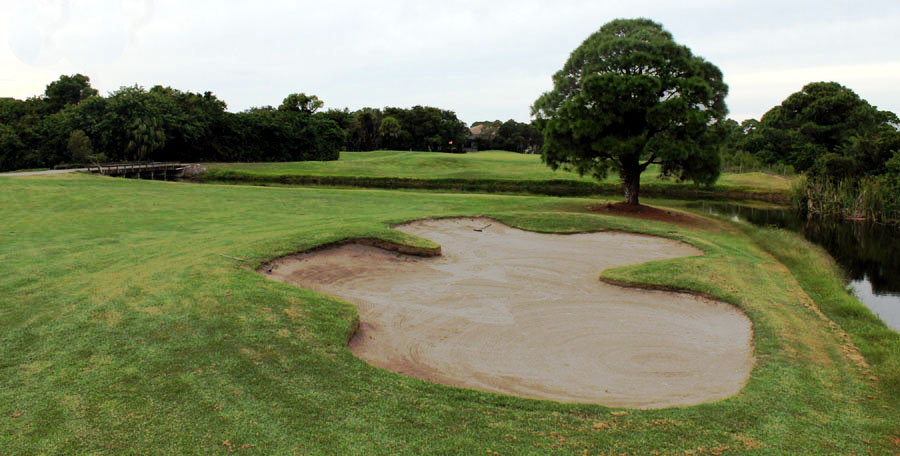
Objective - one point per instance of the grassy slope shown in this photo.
(478, 165)
(124, 330)
(822, 279)
(487, 164)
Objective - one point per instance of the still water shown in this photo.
(869, 253)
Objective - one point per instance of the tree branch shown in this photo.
(606, 156)
(649, 162)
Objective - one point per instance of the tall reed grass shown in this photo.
(875, 199)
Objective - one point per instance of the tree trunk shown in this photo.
(632, 184)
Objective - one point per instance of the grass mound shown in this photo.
(485, 172)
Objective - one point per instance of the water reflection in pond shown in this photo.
(869, 253)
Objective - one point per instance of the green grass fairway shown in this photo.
(487, 165)
(132, 322)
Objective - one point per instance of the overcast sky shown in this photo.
(482, 59)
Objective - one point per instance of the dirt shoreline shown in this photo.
(522, 313)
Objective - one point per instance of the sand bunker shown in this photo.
(523, 313)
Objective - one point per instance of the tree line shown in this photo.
(510, 135)
(421, 128)
(72, 124)
(824, 130)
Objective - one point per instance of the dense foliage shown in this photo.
(825, 129)
(629, 97)
(72, 124)
(875, 198)
(422, 128)
(510, 135)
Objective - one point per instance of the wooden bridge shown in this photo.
(140, 170)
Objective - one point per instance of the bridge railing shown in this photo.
(132, 167)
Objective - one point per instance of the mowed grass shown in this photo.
(477, 165)
(426, 165)
(132, 322)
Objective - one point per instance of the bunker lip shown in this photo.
(522, 313)
(382, 244)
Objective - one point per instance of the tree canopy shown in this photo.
(70, 124)
(301, 102)
(510, 135)
(68, 90)
(417, 128)
(828, 129)
(630, 96)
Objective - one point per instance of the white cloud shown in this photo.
(767, 88)
(485, 60)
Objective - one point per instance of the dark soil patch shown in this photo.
(652, 213)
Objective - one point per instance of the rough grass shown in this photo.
(823, 280)
(756, 180)
(488, 171)
(124, 330)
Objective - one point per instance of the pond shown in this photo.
(869, 253)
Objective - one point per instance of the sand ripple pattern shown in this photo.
(522, 313)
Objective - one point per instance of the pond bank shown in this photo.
(867, 252)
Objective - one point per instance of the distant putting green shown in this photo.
(132, 321)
